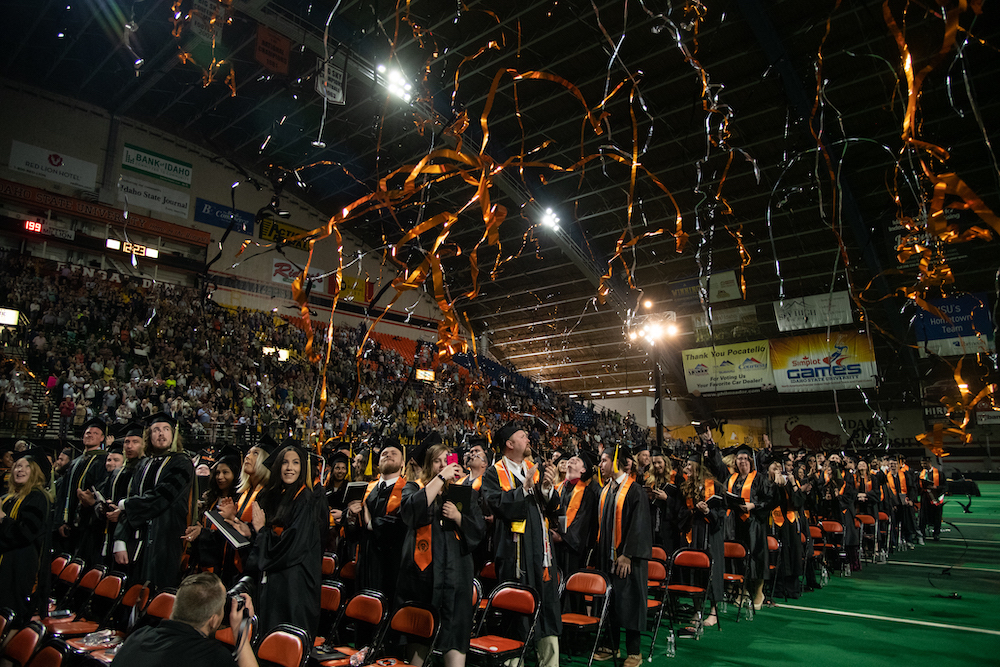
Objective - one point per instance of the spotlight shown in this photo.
(550, 219)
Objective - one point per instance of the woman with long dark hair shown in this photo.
(25, 529)
(287, 553)
(210, 550)
(437, 566)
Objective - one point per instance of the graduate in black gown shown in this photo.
(158, 509)
(210, 551)
(287, 554)
(704, 525)
(784, 507)
(116, 485)
(578, 499)
(437, 565)
(375, 523)
(624, 547)
(839, 501)
(664, 499)
(525, 507)
(25, 532)
(749, 524)
(76, 521)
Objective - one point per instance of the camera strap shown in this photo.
(246, 627)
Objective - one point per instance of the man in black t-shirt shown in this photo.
(188, 637)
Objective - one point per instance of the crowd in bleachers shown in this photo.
(120, 351)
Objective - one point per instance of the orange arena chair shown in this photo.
(597, 586)
(512, 600)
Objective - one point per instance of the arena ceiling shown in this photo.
(772, 129)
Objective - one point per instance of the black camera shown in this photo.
(234, 596)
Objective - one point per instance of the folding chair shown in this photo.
(331, 599)
(884, 533)
(416, 622)
(836, 552)
(96, 612)
(53, 654)
(737, 563)
(329, 565)
(511, 600)
(656, 599)
(65, 583)
(77, 597)
(23, 645)
(688, 577)
(365, 611)
(158, 609)
(596, 585)
(868, 525)
(123, 616)
(773, 557)
(659, 554)
(7, 619)
(819, 555)
(284, 646)
(58, 564)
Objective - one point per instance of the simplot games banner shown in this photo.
(813, 363)
(741, 367)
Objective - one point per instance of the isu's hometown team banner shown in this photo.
(816, 363)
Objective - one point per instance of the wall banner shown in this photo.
(813, 363)
(813, 312)
(740, 367)
(970, 330)
(52, 166)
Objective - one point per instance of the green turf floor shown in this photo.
(914, 586)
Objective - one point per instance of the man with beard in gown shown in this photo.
(525, 506)
(158, 508)
(624, 547)
(375, 523)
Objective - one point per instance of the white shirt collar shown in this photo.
(517, 469)
(621, 478)
(388, 480)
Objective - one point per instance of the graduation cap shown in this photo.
(589, 464)
(340, 457)
(269, 445)
(505, 433)
(695, 457)
(116, 449)
(162, 418)
(131, 429)
(36, 454)
(97, 423)
(745, 449)
(656, 451)
(621, 452)
(393, 442)
(231, 456)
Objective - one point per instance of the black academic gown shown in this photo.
(114, 488)
(483, 553)
(446, 583)
(784, 510)
(841, 508)
(581, 525)
(380, 548)
(288, 561)
(25, 554)
(707, 533)
(520, 556)
(632, 539)
(751, 530)
(663, 517)
(86, 536)
(156, 516)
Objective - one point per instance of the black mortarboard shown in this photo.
(96, 422)
(36, 454)
(116, 449)
(230, 456)
(418, 453)
(133, 428)
(589, 463)
(340, 457)
(925, 459)
(161, 417)
(656, 451)
(391, 442)
(269, 445)
(505, 433)
(696, 457)
(744, 449)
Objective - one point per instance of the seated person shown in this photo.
(188, 637)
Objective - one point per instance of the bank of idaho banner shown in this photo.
(816, 363)
(796, 364)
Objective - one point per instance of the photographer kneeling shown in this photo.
(188, 637)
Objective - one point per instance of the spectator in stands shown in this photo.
(187, 637)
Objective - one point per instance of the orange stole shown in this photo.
(619, 506)
(744, 490)
(575, 498)
(709, 492)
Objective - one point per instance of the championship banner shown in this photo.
(813, 363)
(813, 312)
(741, 367)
